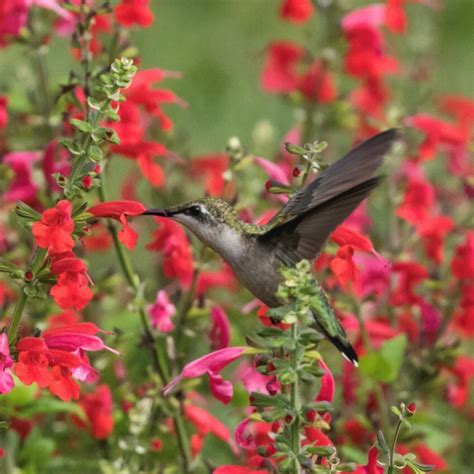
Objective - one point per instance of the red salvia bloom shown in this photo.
(463, 319)
(438, 133)
(279, 73)
(460, 107)
(458, 392)
(171, 240)
(462, 264)
(395, 17)
(317, 84)
(418, 201)
(212, 167)
(71, 290)
(343, 265)
(98, 409)
(3, 111)
(433, 231)
(130, 12)
(410, 275)
(57, 357)
(54, 230)
(120, 210)
(296, 11)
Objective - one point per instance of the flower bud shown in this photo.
(275, 427)
(411, 409)
(310, 416)
(288, 419)
(29, 275)
(87, 181)
(296, 172)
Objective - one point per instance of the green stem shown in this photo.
(295, 402)
(160, 360)
(22, 300)
(394, 445)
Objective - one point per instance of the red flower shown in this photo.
(343, 266)
(129, 12)
(13, 17)
(460, 107)
(54, 359)
(317, 84)
(297, 11)
(63, 386)
(205, 424)
(463, 319)
(3, 111)
(410, 275)
(424, 455)
(212, 167)
(171, 240)
(326, 392)
(23, 186)
(119, 210)
(71, 290)
(417, 202)
(371, 467)
(54, 230)
(366, 59)
(458, 392)
(279, 73)
(462, 264)
(433, 231)
(395, 17)
(438, 133)
(238, 470)
(98, 409)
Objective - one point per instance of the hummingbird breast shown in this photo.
(257, 269)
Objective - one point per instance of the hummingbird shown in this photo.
(298, 231)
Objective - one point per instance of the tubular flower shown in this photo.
(130, 12)
(161, 312)
(171, 240)
(22, 187)
(220, 329)
(6, 379)
(98, 409)
(296, 11)
(120, 210)
(211, 364)
(205, 423)
(58, 357)
(71, 290)
(212, 167)
(54, 230)
(343, 266)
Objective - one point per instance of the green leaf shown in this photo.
(382, 442)
(95, 153)
(321, 450)
(51, 405)
(385, 364)
(81, 125)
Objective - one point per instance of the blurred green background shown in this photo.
(219, 47)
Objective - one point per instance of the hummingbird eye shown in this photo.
(193, 211)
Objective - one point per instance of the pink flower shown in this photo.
(22, 187)
(220, 330)
(254, 381)
(212, 364)
(13, 17)
(6, 379)
(161, 312)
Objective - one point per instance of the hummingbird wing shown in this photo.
(304, 223)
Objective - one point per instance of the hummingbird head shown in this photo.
(212, 220)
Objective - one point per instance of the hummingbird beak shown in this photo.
(156, 212)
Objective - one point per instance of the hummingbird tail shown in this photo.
(345, 348)
(326, 322)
